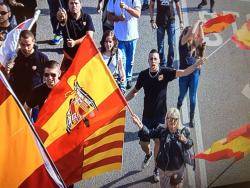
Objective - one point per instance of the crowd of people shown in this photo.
(32, 75)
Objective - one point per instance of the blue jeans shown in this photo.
(53, 8)
(170, 28)
(128, 54)
(189, 82)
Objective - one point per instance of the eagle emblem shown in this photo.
(81, 107)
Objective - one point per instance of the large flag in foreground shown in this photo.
(10, 44)
(235, 145)
(22, 158)
(218, 24)
(82, 122)
(242, 37)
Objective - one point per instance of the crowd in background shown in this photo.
(32, 75)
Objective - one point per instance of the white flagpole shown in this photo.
(35, 18)
(223, 44)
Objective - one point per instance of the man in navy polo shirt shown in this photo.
(75, 24)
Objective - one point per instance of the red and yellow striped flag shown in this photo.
(22, 159)
(218, 24)
(81, 123)
(236, 144)
(242, 37)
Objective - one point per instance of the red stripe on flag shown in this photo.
(218, 24)
(223, 154)
(71, 165)
(39, 174)
(242, 131)
(103, 162)
(4, 92)
(229, 18)
(103, 148)
(114, 130)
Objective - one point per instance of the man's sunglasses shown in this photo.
(3, 13)
(53, 75)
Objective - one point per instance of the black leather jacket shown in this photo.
(163, 135)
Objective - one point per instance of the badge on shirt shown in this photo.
(160, 77)
(84, 23)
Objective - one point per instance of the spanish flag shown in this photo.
(23, 161)
(242, 37)
(218, 24)
(235, 145)
(82, 122)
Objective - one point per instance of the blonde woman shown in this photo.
(174, 140)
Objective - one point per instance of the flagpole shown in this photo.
(230, 165)
(66, 26)
(38, 140)
(223, 44)
(35, 18)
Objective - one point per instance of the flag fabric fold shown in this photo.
(84, 111)
(235, 145)
(218, 24)
(242, 37)
(22, 159)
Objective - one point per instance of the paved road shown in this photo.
(221, 107)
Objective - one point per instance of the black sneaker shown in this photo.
(129, 84)
(191, 124)
(144, 7)
(199, 6)
(211, 10)
(146, 160)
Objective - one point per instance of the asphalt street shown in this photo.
(221, 104)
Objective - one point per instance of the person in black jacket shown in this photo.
(174, 141)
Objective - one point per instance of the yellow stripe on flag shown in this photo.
(103, 155)
(92, 74)
(239, 144)
(102, 130)
(106, 140)
(101, 170)
(19, 155)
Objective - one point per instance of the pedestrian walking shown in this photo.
(154, 81)
(204, 3)
(125, 14)
(191, 48)
(112, 56)
(174, 142)
(75, 24)
(165, 22)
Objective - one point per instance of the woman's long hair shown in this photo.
(109, 33)
(189, 45)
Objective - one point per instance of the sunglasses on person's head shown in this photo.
(53, 75)
(3, 13)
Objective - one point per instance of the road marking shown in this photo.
(198, 132)
(246, 91)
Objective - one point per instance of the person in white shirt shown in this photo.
(125, 14)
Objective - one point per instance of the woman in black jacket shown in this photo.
(174, 142)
